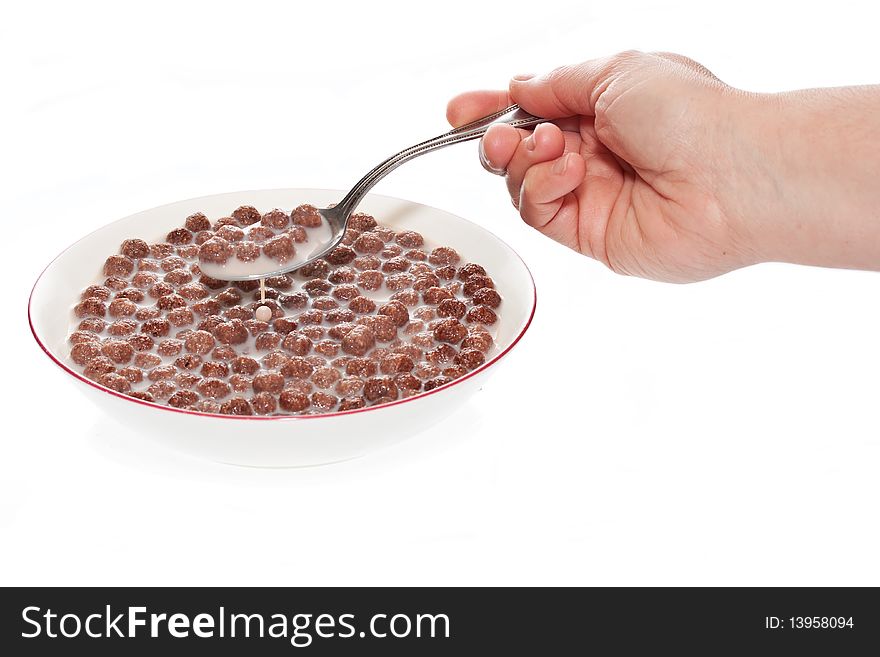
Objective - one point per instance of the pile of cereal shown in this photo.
(382, 317)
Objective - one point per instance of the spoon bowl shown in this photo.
(334, 218)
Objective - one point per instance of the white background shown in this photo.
(719, 433)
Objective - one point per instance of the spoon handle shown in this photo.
(512, 115)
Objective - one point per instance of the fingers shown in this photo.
(544, 144)
(498, 146)
(473, 105)
(546, 202)
(571, 90)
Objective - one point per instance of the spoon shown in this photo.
(335, 219)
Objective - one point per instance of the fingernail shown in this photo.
(486, 164)
(529, 142)
(560, 165)
(522, 77)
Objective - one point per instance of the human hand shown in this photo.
(658, 169)
(641, 168)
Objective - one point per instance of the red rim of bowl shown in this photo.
(317, 416)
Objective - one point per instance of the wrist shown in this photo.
(809, 177)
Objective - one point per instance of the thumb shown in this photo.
(571, 90)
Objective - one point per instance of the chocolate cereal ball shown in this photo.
(260, 234)
(470, 358)
(118, 351)
(297, 368)
(197, 222)
(362, 305)
(316, 269)
(98, 366)
(396, 311)
(193, 292)
(306, 215)
(188, 362)
(368, 243)
(263, 403)
(143, 314)
(378, 387)
(277, 219)
(230, 234)
(269, 382)
(426, 282)
(114, 381)
(132, 374)
(247, 251)
(328, 348)
(362, 221)
(443, 255)
(339, 315)
(170, 302)
(83, 334)
(487, 297)
(181, 317)
(135, 248)
(395, 265)
(179, 236)
(171, 263)
(92, 306)
(207, 406)
(213, 388)
(122, 327)
(435, 295)
(293, 401)
(141, 342)
(346, 292)
(416, 254)
(409, 239)
(162, 250)
(482, 315)
(169, 347)
(341, 255)
(325, 377)
(477, 282)
(280, 248)
(395, 363)
(383, 326)
(293, 301)
(406, 297)
(199, 342)
(246, 215)
(236, 406)
(325, 303)
(393, 251)
(365, 263)
(351, 403)
(84, 352)
(399, 281)
(323, 401)
(359, 341)
(216, 250)
(436, 382)
(99, 292)
(132, 294)
(160, 289)
(370, 280)
(296, 343)
(267, 340)
(451, 308)
(231, 332)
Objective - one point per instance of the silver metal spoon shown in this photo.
(338, 216)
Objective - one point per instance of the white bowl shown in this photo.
(281, 440)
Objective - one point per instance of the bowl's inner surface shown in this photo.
(59, 286)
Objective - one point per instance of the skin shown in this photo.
(658, 169)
